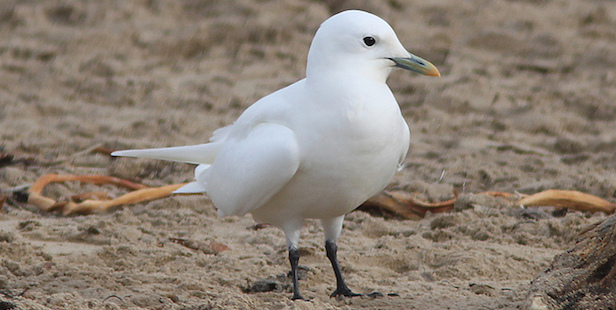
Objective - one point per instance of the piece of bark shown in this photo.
(583, 277)
(404, 204)
(3, 199)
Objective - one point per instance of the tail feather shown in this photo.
(191, 188)
(192, 154)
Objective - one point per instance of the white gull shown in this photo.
(317, 148)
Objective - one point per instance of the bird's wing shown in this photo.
(191, 188)
(221, 133)
(193, 154)
(249, 170)
(407, 142)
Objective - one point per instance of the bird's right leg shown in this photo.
(294, 260)
(292, 233)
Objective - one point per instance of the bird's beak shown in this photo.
(416, 64)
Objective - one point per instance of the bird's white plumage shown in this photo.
(192, 154)
(319, 147)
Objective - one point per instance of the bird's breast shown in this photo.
(352, 158)
(348, 153)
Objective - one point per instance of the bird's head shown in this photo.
(358, 42)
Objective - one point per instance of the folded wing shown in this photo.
(249, 170)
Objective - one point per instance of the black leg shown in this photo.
(341, 288)
(294, 259)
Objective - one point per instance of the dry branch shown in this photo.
(569, 199)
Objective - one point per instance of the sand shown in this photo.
(526, 103)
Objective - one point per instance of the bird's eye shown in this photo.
(369, 41)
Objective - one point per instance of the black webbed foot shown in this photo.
(344, 291)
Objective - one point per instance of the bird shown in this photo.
(317, 148)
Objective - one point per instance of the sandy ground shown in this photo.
(526, 103)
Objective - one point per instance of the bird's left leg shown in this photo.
(332, 229)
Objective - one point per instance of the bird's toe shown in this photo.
(344, 292)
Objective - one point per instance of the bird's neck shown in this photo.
(347, 74)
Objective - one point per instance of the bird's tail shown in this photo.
(201, 154)
(192, 154)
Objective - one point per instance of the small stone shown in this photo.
(6, 237)
(481, 235)
(4, 282)
(443, 221)
(375, 295)
(264, 285)
(482, 289)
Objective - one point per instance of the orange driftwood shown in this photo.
(569, 199)
(89, 205)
